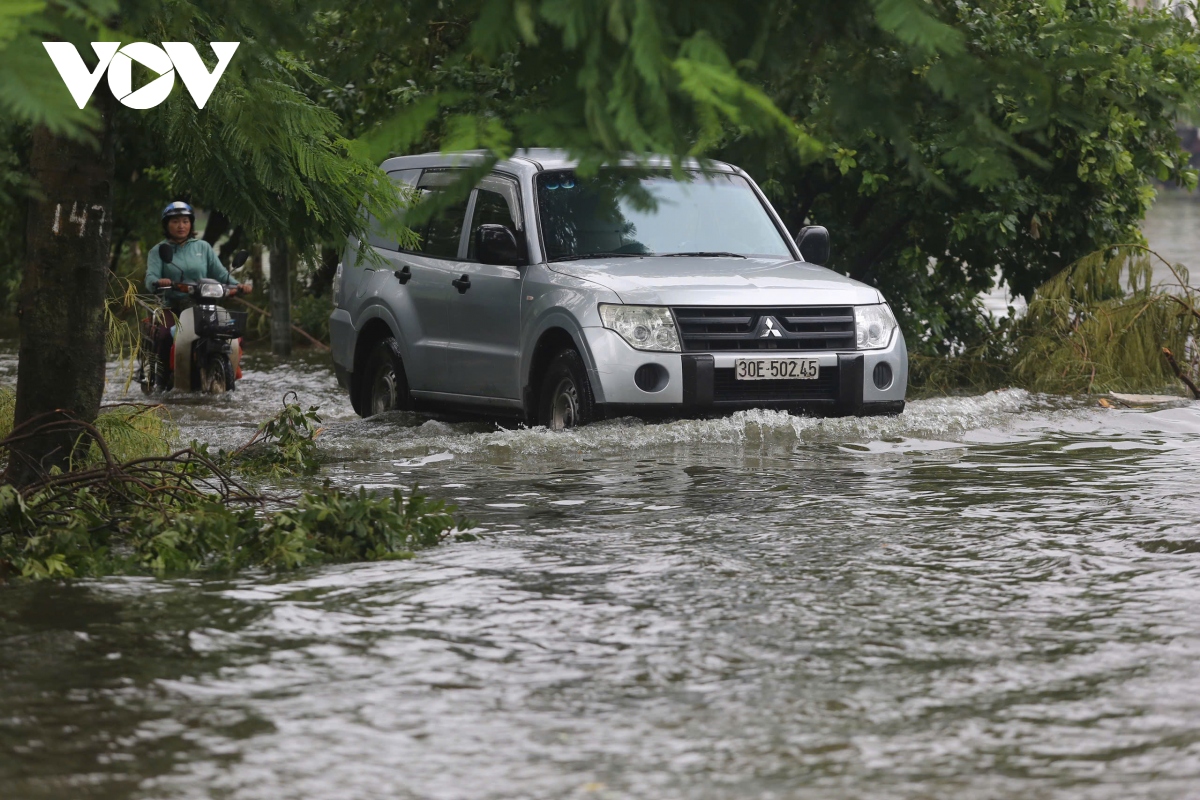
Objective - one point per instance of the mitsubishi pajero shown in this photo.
(558, 299)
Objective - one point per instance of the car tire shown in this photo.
(565, 399)
(383, 385)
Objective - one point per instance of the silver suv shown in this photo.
(559, 299)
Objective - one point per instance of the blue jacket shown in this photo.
(193, 260)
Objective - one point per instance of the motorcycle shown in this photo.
(207, 346)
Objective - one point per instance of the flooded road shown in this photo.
(988, 597)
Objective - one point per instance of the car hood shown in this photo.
(687, 281)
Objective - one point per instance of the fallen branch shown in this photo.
(1187, 306)
(185, 512)
(1180, 373)
(296, 328)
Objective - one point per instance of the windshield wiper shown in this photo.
(600, 255)
(702, 254)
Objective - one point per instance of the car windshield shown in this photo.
(621, 213)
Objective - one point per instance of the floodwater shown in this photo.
(987, 597)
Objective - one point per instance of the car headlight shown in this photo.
(643, 327)
(212, 290)
(874, 326)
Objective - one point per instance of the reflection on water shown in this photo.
(988, 597)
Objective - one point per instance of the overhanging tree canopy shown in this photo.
(942, 141)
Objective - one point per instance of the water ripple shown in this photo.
(986, 597)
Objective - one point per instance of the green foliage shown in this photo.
(1086, 332)
(8, 407)
(87, 533)
(944, 143)
(154, 512)
(1032, 145)
(35, 94)
(283, 445)
(311, 312)
(602, 79)
(131, 430)
(260, 151)
(1099, 326)
(270, 159)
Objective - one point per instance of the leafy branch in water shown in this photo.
(283, 445)
(89, 531)
(185, 511)
(1101, 325)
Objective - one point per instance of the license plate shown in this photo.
(775, 369)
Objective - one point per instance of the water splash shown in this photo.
(403, 435)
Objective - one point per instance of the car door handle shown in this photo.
(404, 275)
(462, 284)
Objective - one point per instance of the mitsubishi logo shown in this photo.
(770, 330)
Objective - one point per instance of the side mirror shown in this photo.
(496, 244)
(165, 254)
(813, 241)
(240, 258)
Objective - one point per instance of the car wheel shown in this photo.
(384, 385)
(566, 394)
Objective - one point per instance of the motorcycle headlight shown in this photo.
(212, 290)
(874, 326)
(643, 327)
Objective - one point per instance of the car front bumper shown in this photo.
(702, 383)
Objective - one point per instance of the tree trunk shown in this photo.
(118, 247)
(232, 245)
(281, 300)
(60, 371)
(254, 268)
(322, 280)
(217, 226)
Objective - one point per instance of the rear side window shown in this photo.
(441, 236)
(377, 237)
(495, 204)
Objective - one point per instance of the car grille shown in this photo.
(807, 328)
(728, 389)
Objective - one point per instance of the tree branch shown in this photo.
(1180, 373)
(296, 328)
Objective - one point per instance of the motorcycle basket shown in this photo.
(220, 323)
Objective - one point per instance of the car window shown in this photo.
(495, 204)
(377, 237)
(442, 234)
(619, 211)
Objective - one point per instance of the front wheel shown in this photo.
(566, 394)
(384, 385)
(147, 374)
(216, 375)
(151, 372)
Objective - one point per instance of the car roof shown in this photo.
(537, 159)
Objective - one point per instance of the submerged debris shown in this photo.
(1144, 399)
(186, 510)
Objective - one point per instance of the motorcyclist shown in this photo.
(193, 260)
